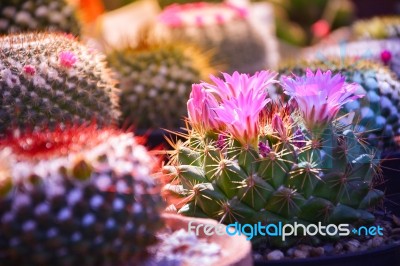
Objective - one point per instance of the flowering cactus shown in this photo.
(319, 107)
(248, 159)
(378, 112)
(49, 78)
(220, 27)
(76, 196)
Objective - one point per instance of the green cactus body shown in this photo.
(378, 113)
(377, 28)
(77, 196)
(222, 28)
(47, 79)
(290, 176)
(155, 81)
(18, 16)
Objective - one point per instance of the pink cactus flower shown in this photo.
(29, 70)
(319, 97)
(201, 105)
(386, 56)
(234, 104)
(237, 84)
(67, 59)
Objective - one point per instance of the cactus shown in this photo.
(155, 80)
(248, 160)
(220, 27)
(386, 52)
(377, 28)
(18, 16)
(76, 195)
(47, 79)
(379, 112)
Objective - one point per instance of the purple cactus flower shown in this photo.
(67, 59)
(264, 148)
(278, 126)
(319, 97)
(298, 139)
(220, 141)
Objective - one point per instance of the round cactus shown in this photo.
(47, 79)
(377, 28)
(249, 160)
(155, 81)
(37, 15)
(378, 113)
(222, 27)
(76, 196)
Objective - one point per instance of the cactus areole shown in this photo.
(248, 160)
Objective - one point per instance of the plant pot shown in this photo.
(236, 249)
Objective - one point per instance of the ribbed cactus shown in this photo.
(18, 16)
(76, 196)
(47, 79)
(377, 28)
(249, 160)
(220, 27)
(386, 52)
(378, 113)
(155, 81)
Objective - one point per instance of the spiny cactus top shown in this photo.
(76, 196)
(18, 16)
(377, 28)
(386, 52)
(249, 160)
(378, 113)
(221, 27)
(51, 78)
(155, 81)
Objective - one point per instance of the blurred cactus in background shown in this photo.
(377, 28)
(302, 22)
(155, 80)
(76, 196)
(247, 159)
(222, 28)
(18, 16)
(47, 79)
